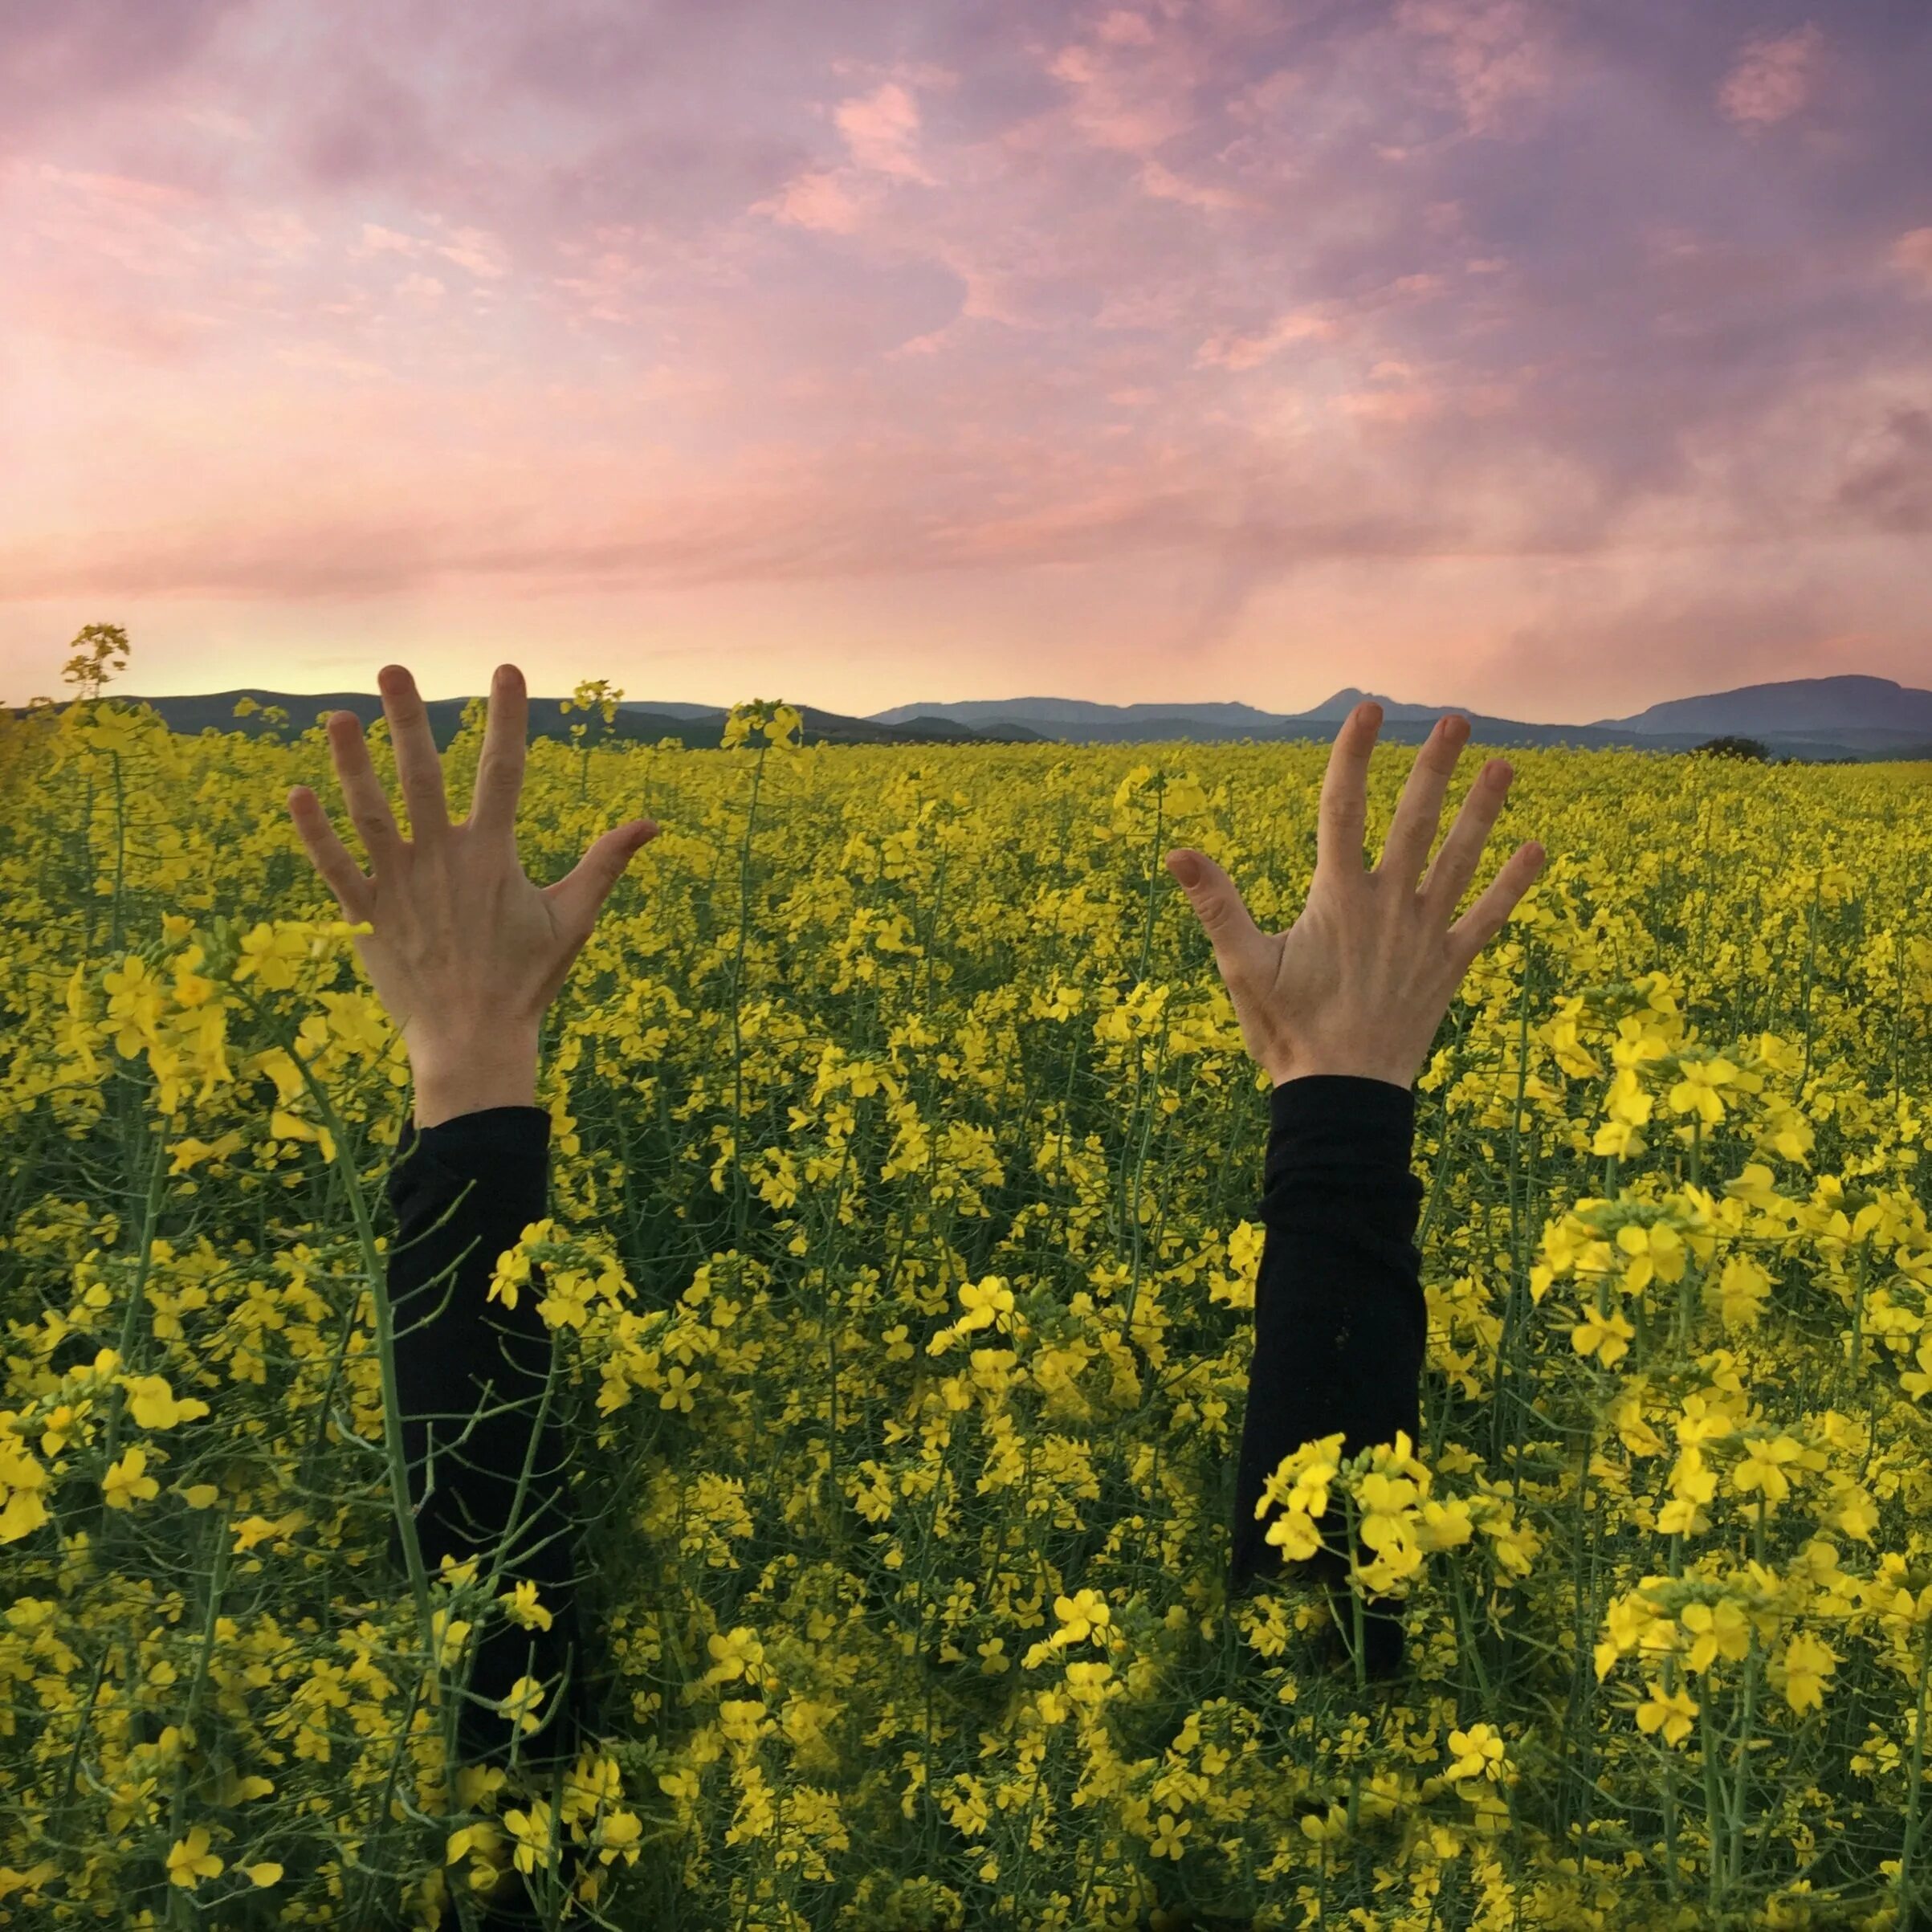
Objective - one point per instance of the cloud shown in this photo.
(880, 129)
(1197, 308)
(1890, 487)
(828, 200)
(1494, 54)
(1122, 93)
(372, 127)
(1912, 256)
(479, 253)
(1165, 184)
(1773, 78)
(1239, 351)
(1319, 322)
(63, 59)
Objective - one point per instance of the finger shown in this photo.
(1491, 911)
(1448, 878)
(418, 768)
(1223, 914)
(1344, 809)
(579, 895)
(499, 770)
(369, 806)
(327, 853)
(1419, 811)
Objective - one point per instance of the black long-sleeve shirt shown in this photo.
(1340, 1330)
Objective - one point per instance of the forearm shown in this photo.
(471, 1374)
(1340, 1324)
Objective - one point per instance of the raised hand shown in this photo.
(1360, 982)
(465, 952)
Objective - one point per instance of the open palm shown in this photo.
(465, 951)
(1360, 983)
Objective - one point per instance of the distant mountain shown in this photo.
(1799, 706)
(1083, 721)
(1807, 717)
(1812, 719)
(696, 726)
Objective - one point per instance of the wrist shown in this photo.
(456, 1077)
(1348, 1068)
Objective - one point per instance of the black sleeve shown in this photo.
(1340, 1324)
(462, 1192)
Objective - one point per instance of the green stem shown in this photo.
(1672, 1877)
(740, 1187)
(137, 1295)
(121, 844)
(180, 1912)
(1715, 1859)
(1133, 1202)
(1907, 1886)
(376, 1272)
(1811, 962)
(1741, 1782)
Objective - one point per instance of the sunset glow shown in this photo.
(1547, 359)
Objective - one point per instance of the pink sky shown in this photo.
(1548, 359)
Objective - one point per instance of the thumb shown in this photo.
(1215, 899)
(579, 894)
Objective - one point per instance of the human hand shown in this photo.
(1360, 982)
(465, 952)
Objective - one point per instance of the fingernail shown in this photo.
(1186, 868)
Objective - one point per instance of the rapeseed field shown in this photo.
(901, 1263)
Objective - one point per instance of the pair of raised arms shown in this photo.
(465, 952)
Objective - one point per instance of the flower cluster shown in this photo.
(902, 1257)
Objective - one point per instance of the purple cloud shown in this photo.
(1302, 308)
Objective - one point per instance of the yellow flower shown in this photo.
(154, 1405)
(521, 1705)
(1696, 1090)
(1800, 1673)
(619, 1835)
(1741, 1291)
(1608, 1337)
(1656, 1251)
(126, 1482)
(1762, 1466)
(521, 1607)
(738, 1655)
(1168, 1833)
(530, 1832)
(1478, 1753)
(1718, 1629)
(1671, 1712)
(1081, 1615)
(22, 1478)
(679, 1385)
(189, 1861)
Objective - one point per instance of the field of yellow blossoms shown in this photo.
(902, 1258)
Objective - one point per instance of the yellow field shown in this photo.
(914, 1598)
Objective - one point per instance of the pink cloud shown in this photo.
(1408, 404)
(1122, 94)
(1494, 53)
(880, 128)
(1912, 256)
(1248, 352)
(1772, 78)
(1126, 320)
(1319, 322)
(825, 200)
(1166, 185)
